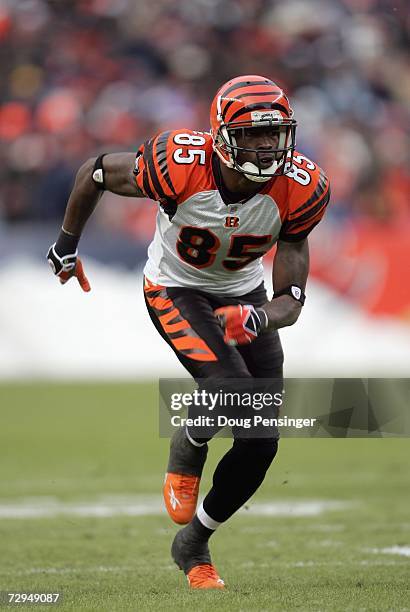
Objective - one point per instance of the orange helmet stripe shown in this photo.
(256, 94)
(248, 83)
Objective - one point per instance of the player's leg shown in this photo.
(238, 475)
(185, 319)
(242, 469)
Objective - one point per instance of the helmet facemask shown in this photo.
(228, 150)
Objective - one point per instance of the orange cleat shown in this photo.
(181, 484)
(204, 577)
(181, 496)
(194, 559)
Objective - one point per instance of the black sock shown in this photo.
(197, 532)
(238, 475)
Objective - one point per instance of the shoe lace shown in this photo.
(187, 485)
(204, 572)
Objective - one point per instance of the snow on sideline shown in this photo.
(108, 335)
(150, 505)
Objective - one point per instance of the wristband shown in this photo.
(294, 291)
(263, 319)
(66, 243)
(61, 264)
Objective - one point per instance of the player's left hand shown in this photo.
(68, 266)
(242, 324)
(79, 273)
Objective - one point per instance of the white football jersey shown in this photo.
(202, 242)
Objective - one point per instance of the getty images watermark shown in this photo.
(324, 408)
(218, 400)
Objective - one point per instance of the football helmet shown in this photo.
(253, 101)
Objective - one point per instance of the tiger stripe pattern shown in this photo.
(178, 329)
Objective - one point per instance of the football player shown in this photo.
(224, 198)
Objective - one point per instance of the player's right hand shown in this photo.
(67, 266)
(241, 323)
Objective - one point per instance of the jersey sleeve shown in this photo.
(152, 171)
(307, 205)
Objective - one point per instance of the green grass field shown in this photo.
(65, 447)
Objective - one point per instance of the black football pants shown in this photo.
(185, 319)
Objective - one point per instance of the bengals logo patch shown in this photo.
(231, 222)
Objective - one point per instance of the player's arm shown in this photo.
(307, 205)
(289, 275)
(115, 173)
(242, 324)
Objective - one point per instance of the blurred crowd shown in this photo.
(81, 77)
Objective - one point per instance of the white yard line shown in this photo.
(171, 567)
(143, 505)
(404, 551)
(298, 564)
(296, 508)
(81, 570)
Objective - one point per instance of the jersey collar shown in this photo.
(231, 197)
